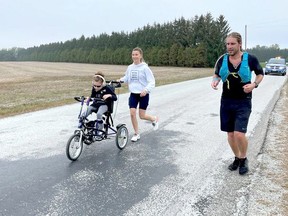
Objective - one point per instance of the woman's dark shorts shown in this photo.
(135, 99)
(234, 114)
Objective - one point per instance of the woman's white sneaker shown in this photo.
(135, 137)
(155, 123)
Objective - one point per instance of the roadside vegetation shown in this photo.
(196, 42)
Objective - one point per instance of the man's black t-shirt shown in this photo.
(233, 87)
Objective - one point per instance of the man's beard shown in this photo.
(232, 52)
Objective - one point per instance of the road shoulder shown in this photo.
(269, 194)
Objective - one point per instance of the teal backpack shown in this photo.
(244, 71)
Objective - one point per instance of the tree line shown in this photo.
(196, 42)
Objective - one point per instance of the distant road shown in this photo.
(181, 169)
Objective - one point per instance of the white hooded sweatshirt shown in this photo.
(139, 77)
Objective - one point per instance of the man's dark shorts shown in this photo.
(234, 114)
(135, 99)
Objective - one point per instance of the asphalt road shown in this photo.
(180, 169)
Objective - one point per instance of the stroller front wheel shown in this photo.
(121, 137)
(74, 146)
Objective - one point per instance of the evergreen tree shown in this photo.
(192, 43)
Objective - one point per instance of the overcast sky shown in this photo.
(28, 23)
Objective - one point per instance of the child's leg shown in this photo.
(101, 110)
(84, 115)
(90, 109)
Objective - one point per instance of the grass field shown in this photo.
(31, 86)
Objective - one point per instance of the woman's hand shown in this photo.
(143, 93)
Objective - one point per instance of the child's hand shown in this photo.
(106, 96)
(87, 100)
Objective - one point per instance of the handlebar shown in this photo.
(79, 98)
(82, 100)
(114, 83)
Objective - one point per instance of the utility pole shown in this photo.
(245, 37)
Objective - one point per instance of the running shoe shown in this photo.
(234, 166)
(243, 166)
(155, 123)
(135, 137)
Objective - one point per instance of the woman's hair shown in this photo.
(237, 36)
(140, 51)
(99, 76)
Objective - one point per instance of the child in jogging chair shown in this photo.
(102, 96)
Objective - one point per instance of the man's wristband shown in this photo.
(256, 84)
